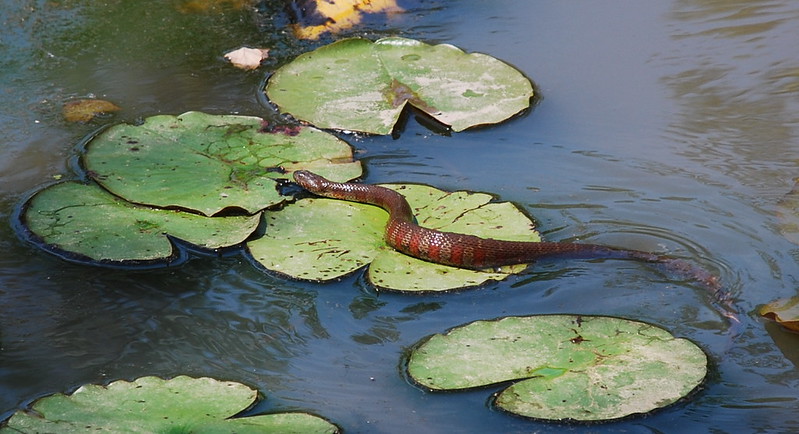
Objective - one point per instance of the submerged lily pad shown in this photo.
(325, 239)
(564, 367)
(208, 163)
(783, 312)
(150, 404)
(356, 84)
(82, 221)
(84, 110)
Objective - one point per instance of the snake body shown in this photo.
(469, 251)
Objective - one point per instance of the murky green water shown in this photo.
(668, 126)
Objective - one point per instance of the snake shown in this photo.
(472, 252)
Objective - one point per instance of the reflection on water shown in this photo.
(736, 87)
(667, 126)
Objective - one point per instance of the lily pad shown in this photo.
(563, 367)
(84, 222)
(784, 312)
(325, 239)
(208, 163)
(150, 404)
(356, 84)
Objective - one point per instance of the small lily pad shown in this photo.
(783, 312)
(84, 110)
(209, 163)
(356, 84)
(563, 367)
(84, 222)
(150, 404)
(325, 239)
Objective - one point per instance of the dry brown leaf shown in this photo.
(247, 58)
(785, 312)
(84, 110)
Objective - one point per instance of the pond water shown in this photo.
(668, 126)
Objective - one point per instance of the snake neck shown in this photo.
(392, 202)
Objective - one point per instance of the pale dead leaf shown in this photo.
(247, 58)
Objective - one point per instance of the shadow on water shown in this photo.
(669, 128)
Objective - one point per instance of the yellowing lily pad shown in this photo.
(209, 163)
(325, 239)
(151, 405)
(563, 367)
(784, 312)
(84, 223)
(356, 84)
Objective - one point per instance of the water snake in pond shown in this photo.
(469, 251)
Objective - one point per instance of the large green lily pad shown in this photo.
(563, 367)
(356, 84)
(208, 163)
(325, 239)
(151, 405)
(83, 221)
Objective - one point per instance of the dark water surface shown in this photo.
(668, 126)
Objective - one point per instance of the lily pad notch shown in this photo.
(359, 85)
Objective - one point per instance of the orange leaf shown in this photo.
(338, 15)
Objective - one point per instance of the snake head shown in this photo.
(310, 181)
